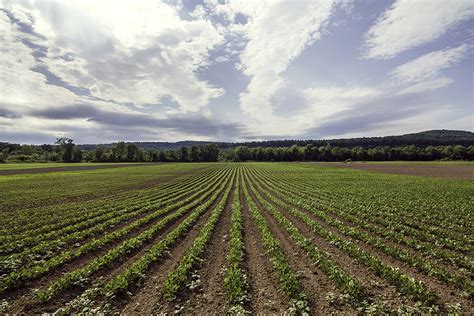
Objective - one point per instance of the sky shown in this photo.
(100, 71)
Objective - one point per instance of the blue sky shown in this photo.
(103, 71)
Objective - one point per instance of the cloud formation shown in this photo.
(148, 70)
(407, 24)
(430, 65)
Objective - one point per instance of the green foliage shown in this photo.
(235, 281)
(402, 230)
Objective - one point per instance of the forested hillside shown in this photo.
(429, 145)
(426, 138)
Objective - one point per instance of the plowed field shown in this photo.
(216, 238)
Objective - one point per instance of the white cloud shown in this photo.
(429, 66)
(130, 52)
(276, 33)
(326, 102)
(427, 86)
(410, 23)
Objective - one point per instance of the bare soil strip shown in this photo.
(376, 287)
(265, 296)
(67, 168)
(24, 299)
(147, 298)
(210, 296)
(435, 171)
(315, 283)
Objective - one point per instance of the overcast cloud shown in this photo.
(108, 70)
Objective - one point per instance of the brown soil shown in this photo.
(376, 288)
(67, 168)
(375, 284)
(146, 298)
(435, 171)
(446, 293)
(211, 297)
(23, 300)
(265, 296)
(116, 226)
(314, 282)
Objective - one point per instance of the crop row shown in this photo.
(19, 277)
(390, 193)
(127, 246)
(90, 218)
(235, 280)
(175, 279)
(428, 249)
(175, 198)
(137, 270)
(376, 224)
(285, 274)
(398, 207)
(343, 280)
(404, 283)
(20, 220)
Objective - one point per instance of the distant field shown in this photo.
(250, 237)
(449, 170)
(8, 166)
(428, 163)
(18, 166)
(63, 167)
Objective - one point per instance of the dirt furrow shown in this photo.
(264, 292)
(446, 293)
(315, 283)
(210, 296)
(147, 298)
(24, 298)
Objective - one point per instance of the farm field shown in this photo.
(235, 237)
(29, 168)
(438, 169)
(35, 165)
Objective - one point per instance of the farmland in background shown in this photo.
(235, 237)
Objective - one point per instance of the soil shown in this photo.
(435, 171)
(264, 293)
(67, 168)
(147, 298)
(374, 284)
(314, 282)
(264, 290)
(211, 297)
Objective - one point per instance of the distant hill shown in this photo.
(157, 145)
(425, 138)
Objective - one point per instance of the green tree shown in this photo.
(194, 153)
(209, 152)
(66, 145)
(183, 154)
(76, 154)
(132, 152)
(119, 151)
(243, 153)
(308, 152)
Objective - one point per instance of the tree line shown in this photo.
(64, 150)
